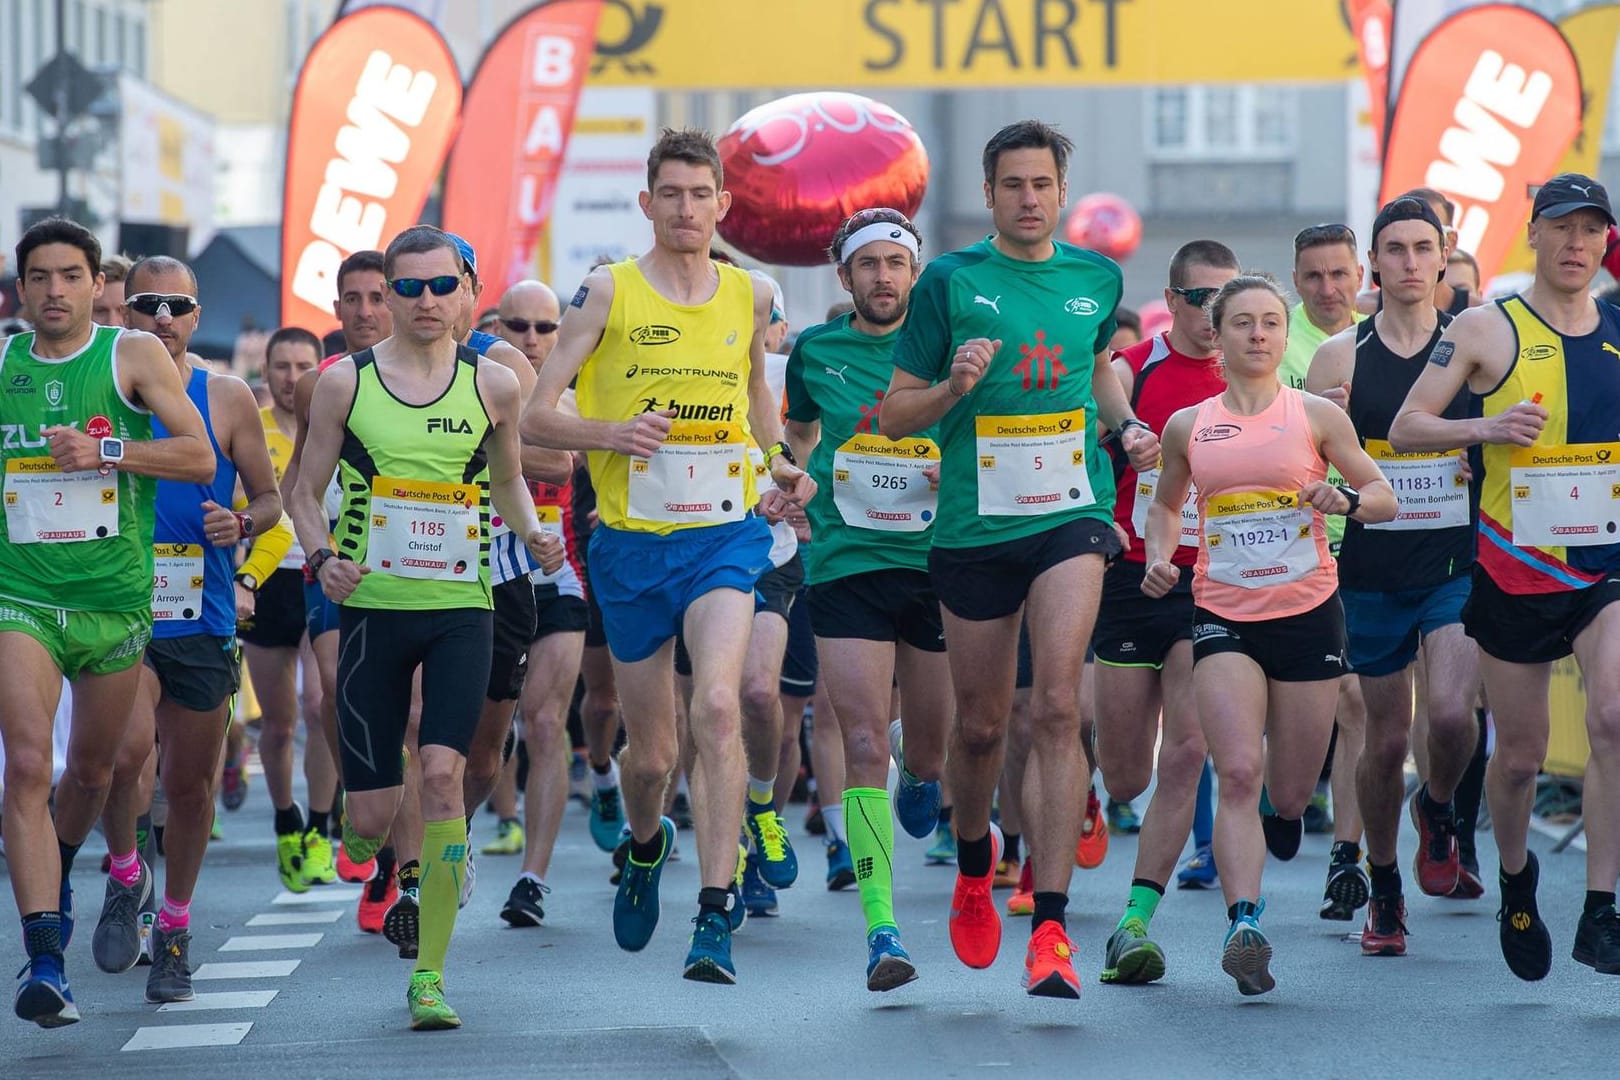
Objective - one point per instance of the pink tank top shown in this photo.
(1261, 556)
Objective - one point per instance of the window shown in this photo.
(1221, 122)
(101, 37)
(118, 42)
(139, 47)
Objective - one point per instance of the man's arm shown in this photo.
(499, 389)
(1332, 367)
(1114, 410)
(931, 374)
(303, 392)
(1463, 357)
(323, 442)
(539, 464)
(764, 416)
(244, 444)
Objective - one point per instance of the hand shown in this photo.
(546, 548)
(72, 449)
(246, 603)
(1339, 395)
(642, 434)
(932, 475)
(800, 521)
(1122, 536)
(220, 525)
(1517, 425)
(773, 505)
(340, 577)
(793, 481)
(1159, 578)
(968, 366)
(1465, 467)
(1141, 446)
(1325, 497)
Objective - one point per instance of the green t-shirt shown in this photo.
(1020, 451)
(872, 510)
(1304, 338)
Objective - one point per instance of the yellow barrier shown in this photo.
(1567, 748)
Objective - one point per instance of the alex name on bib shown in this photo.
(177, 581)
(1147, 486)
(695, 477)
(1430, 487)
(1566, 496)
(1031, 465)
(45, 505)
(879, 484)
(422, 529)
(1259, 538)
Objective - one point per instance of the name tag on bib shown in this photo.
(45, 505)
(421, 529)
(1259, 538)
(695, 478)
(1430, 487)
(1032, 465)
(879, 484)
(1147, 486)
(177, 582)
(1566, 496)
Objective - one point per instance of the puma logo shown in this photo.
(993, 305)
(1610, 348)
(838, 373)
(1583, 190)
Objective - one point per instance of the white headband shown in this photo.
(879, 230)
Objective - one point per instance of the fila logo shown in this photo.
(993, 305)
(450, 425)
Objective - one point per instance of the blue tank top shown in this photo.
(192, 591)
(509, 557)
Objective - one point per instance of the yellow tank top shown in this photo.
(656, 355)
(281, 447)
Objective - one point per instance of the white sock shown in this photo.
(536, 878)
(761, 792)
(609, 779)
(833, 818)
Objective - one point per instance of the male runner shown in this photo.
(76, 569)
(669, 352)
(192, 670)
(1025, 514)
(1548, 572)
(109, 306)
(1144, 646)
(420, 429)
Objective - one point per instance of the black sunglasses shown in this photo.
(521, 326)
(159, 304)
(1196, 297)
(411, 287)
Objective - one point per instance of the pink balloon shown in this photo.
(1107, 224)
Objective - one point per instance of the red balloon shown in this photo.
(1106, 224)
(798, 166)
(1155, 316)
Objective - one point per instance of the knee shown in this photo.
(28, 771)
(1386, 745)
(1240, 779)
(94, 778)
(370, 814)
(979, 733)
(1603, 727)
(440, 784)
(541, 729)
(715, 717)
(865, 752)
(1289, 804)
(1054, 715)
(650, 757)
(1123, 775)
(759, 697)
(1180, 761)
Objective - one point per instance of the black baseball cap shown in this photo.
(1569, 192)
(1406, 208)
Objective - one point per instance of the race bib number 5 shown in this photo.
(45, 505)
(879, 484)
(1566, 496)
(1259, 538)
(1031, 465)
(1430, 487)
(421, 529)
(696, 478)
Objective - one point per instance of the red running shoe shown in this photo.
(1385, 932)
(375, 900)
(1436, 863)
(1049, 963)
(1092, 849)
(1469, 887)
(975, 924)
(1022, 901)
(349, 870)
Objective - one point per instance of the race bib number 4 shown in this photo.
(879, 484)
(421, 529)
(45, 505)
(1430, 487)
(177, 582)
(1259, 538)
(1147, 486)
(1032, 465)
(696, 478)
(1566, 496)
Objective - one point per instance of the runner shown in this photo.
(192, 668)
(660, 402)
(874, 613)
(1144, 647)
(109, 306)
(76, 570)
(409, 423)
(1268, 639)
(1403, 584)
(1545, 583)
(1025, 514)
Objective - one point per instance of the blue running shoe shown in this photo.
(1198, 872)
(778, 865)
(607, 818)
(43, 995)
(888, 965)
(916, 802)
(738, 912)
(943, 853)
(635, 908)
(758, 897)
(840, 868)
(1247, 955)
(709, 958)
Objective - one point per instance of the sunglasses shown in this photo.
(157, 305)
(522, 326)
(411, 287)
(1196, 297)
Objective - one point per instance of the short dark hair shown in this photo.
(160, 264)
(360, 260)
(334, 343)
(115, 267)
(1253, 279)
(1444, 208)
(1027, 135)
(1127, 319)
(419, 240)
(59, 230)
(689, 145)
(1322, 235)
(1210, 253)
(292, 335)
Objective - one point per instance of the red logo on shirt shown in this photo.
(98, 427)
(869, 416)
(1041, 365)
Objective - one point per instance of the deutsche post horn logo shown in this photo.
(641, 28)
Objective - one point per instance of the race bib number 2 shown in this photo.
(1032, 465)
(1566, 496)
(426, 530)
(45, 505)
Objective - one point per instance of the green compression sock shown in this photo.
(444, 858)
(1143, 902)
(871, 845)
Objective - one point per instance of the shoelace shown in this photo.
(170, 962)
(1441, 830)
(772, 836)
(710, 929)
(1387, 919)
(121, 905)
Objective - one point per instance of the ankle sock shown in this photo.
(125, 869)
(1049, 907)
(174, 915)
(289, 822)
(973, 857)
(1597, 901)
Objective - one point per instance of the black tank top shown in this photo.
(1384, 560)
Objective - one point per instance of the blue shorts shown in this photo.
(644, 583)
(1384, 628)
(320, 614)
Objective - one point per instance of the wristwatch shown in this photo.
(781, 450)
(318, 558)
(248, 582)
(112, 452)
(244, 522)
(1350, 493)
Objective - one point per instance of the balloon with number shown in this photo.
(798, 166)
(1106, 224)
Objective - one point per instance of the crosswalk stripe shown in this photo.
(295, 918)
(246, 969)
(178, 1036)
(229, 999)
(270, 942)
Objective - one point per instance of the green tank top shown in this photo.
(76, 541)
(415, 485)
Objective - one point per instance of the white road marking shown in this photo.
(246, 969)
(229, 999)
(270, 942)
(296, 918)
(177, 1036)
(327, 894)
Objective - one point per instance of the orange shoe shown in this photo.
(1049, 963)
(975, 925)
(1022, 901)
(1007, 875)
(1092, 849)
(349, 870)
(373, 905)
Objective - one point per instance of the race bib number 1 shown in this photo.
(1032, 465)
(1566, 496)
(879, 484)
(1259, 538)
(696, 478)
(1430, 487)
(45, 505)
(421, 529)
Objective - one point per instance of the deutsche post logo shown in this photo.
(472, 532)
(109, 496)
(734, 469)
(643, 28)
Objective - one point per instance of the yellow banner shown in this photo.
(960, 44)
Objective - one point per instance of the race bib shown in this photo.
(1430, 487)
(1147, 486)
(550, 519)
(1259, 538)
(1032, 465)
(1566, 496)
(879, 484)
(695, 478)
(45, 505)
(421, 529)
(177, 582)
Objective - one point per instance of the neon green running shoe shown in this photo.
(1132, 958)
(290, 861)
(360, 849)
(429, 1010)
(218, 830)
(508, 839)
(318, 866)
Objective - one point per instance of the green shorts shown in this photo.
(81, 642)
